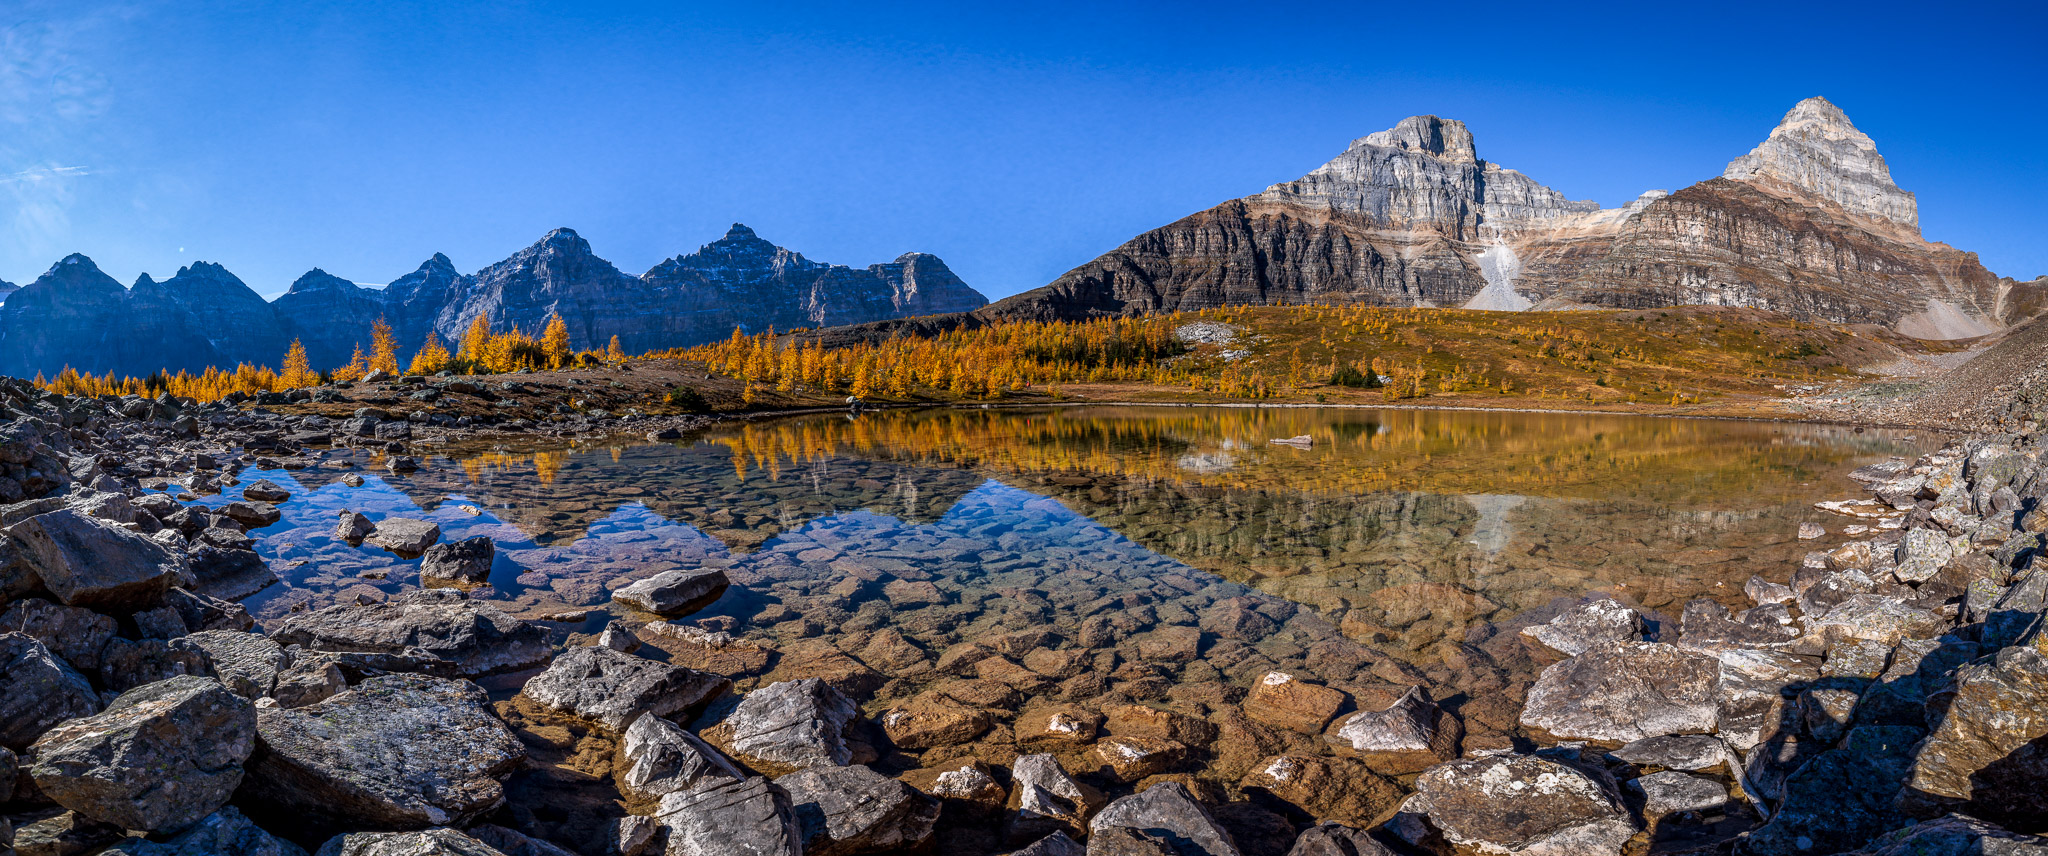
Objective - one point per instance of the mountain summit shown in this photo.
(1818, 151)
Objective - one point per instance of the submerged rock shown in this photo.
(432, 631)
(159, 758)
(1339, 789)
(613, 688)
(1283, 702)
(396, 752)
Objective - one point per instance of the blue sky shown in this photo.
(362, 137)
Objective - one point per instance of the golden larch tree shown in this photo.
(554, 341)
(297, 372)
(614, 354)
(383, 348)
(476, 339)
(433, 356)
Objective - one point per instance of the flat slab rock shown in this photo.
(161, 757)
(432, 631)
(1626, 692)
(404, 535)
(614, 688)
(1522, 804)
(432, 842)
(396, 752)
(673, 593)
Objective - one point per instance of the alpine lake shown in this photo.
(1079, 559)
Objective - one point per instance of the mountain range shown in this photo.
(77, 316)
(1809, 224)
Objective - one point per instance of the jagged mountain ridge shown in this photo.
(1809, 223)
(77, 316)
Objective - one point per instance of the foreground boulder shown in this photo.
(159, 758)
(660, 757)
(467, 562)
(1622, 693)
(1987, 755)
(223, 833)
(789, 726)
(88, 563)
(614, 688)
(248, 663)
(396, 752)
(1167, 811)
(731, 817)
(672, 593)
(1409, 735)
(432, 842)
(1595, 623)
(1332, 839)
(73, 634)
(432, 631)
(1840, 799)
(37, 691)
(1955, 835)
(1044, 800)
(1522, 804)
(849, 810)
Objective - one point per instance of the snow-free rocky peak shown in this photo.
(1817, 150)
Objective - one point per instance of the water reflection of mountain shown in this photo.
(554, 497)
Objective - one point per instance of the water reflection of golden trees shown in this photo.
(1668, 460)
(547, 466)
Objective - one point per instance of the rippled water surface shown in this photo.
(1175, 554)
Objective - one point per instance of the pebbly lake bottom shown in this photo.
(1072, 562)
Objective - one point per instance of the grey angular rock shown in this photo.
(731, 817)
(1955, 835)
(223, 833)
(841, 811)
(433, 631)
(1334, 839)
(37, 691)
(1674, 752)
(513, 843)
(404, 535)
(66, 834)
(265, 490)
(659, 758)
(248, 663)
(229, 573)
(613, 688)
(432, 842)
(253, 515)
(73, 634)
(1056, 844)
(1670, 792)
(464, 561)
(1411, 730)
(396, 752)
(1924, 552)
(310, 679)
(1625, 693)
(1597, 622)
(1167, 809)
(1989, 753)
(1522, 804)
(1840, 799)
(1876, 617)
(89, 563)
(353, 527)
(1044, 799)
(788, 726)
(129, 663)
(673, 593)
(159, 758)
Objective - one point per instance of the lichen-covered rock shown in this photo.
(129, 663)
(731, 817)
(89, 563)
(1336, 839)
(1674, 752)
(37, 691)
(1168, 808)
(613, 688)
(396, 752)
(1955, 835)
(659, 758)
(1522, 804)
(432, 842)
(789, 726)
(265, 490)
(467, 561)
(247, 663)
(672, 593)
(404, 535)
(1626, 692)
(850, 810)
(1670, 792)
(159, 758)
(1987, 754)
(432, 631)
(1597, 622)
(1876, 617)
(223, 833)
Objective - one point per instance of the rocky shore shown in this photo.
(1891, 699)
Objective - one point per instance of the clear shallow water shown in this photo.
(1174, 554)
